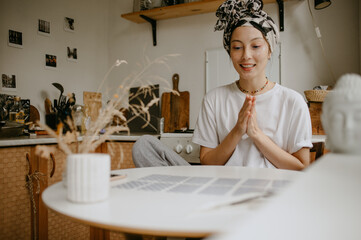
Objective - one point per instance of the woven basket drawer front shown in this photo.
(121, 158)
(116, 236)
(121, 154)
(15, 213)
(61, 227)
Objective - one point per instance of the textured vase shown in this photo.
(88, 177)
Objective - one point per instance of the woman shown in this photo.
(252, 122)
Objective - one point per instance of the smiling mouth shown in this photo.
(247, 66)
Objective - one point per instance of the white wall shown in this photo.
(90, 38)
(302, 62)
(102, 36)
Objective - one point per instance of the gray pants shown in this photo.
(148, 151)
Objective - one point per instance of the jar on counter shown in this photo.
(16, 112)
(173, 2)
(78, 115)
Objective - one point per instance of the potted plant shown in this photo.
(87, 173)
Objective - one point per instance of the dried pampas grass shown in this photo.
(100, 129)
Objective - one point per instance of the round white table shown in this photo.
(187, 201)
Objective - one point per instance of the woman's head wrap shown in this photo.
(236, 13)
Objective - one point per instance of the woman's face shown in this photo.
(249, 52)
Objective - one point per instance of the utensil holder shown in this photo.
(51, 120)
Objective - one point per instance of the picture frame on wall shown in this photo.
(44, 27)
(8, 82)
(50, 61)
(15, 39)
(72, 54)
(69, 24)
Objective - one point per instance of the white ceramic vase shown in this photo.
(88, 177)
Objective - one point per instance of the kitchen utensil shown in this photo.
(55, 106)
(67, 107)
(47, 105)
(62, 102)
(175, 109)
(71, 101)
(61, 89)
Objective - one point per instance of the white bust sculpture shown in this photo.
(341, 116)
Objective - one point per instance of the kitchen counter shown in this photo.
(46, 139)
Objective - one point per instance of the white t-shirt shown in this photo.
(282, 114)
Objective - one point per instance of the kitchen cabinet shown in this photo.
(315, 109)
(15, 205)
(18, 219)
(51, 225)
(186, 9)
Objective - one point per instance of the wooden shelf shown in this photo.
(179, 10)
(185, 9)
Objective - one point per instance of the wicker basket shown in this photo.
(315, 95)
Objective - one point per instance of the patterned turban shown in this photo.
(236, 13)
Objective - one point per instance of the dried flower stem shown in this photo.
(92, 138)
(62, 146)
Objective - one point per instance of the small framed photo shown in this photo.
(72, 54)
(8, 82)
(69, 24)
(44, 27)
(15, 39)
(50, 61)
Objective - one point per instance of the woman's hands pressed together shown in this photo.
(221, 154)
(247, 118)
(252, 125)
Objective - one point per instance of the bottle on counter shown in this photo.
(85, 122)
(16, 112)
(78, 115)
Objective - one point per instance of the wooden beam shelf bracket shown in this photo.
(281, 15)
(154, 27)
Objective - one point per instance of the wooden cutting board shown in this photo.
(175, 109)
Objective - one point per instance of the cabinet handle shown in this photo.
(53, 161)
(29, 164)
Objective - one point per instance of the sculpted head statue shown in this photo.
(341, 115)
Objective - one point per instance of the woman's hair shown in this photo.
(235, 13)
